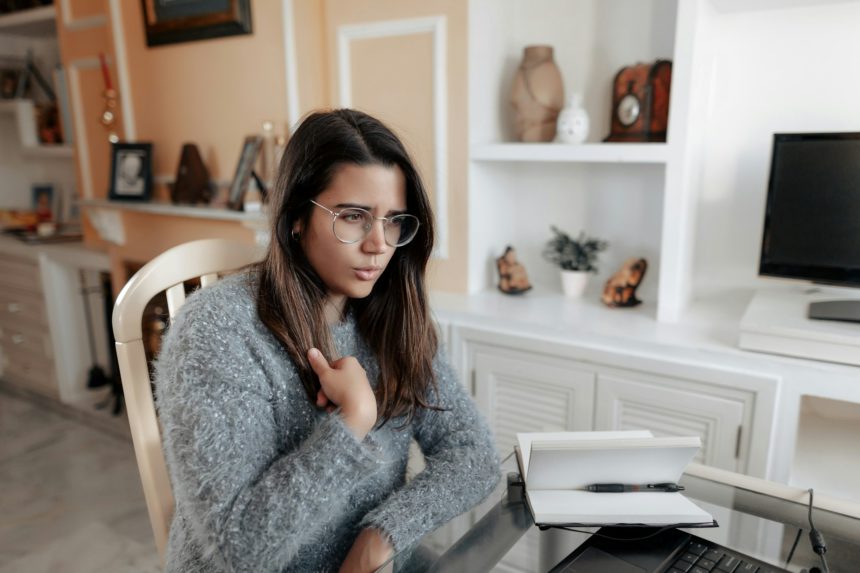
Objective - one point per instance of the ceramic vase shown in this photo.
(573, 123)
(537, 95)
(573, 283)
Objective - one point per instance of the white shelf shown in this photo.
(164, 208)
(32, 22)
(562, 152)
(49, 151)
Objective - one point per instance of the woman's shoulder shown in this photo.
(228, 303)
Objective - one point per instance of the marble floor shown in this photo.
(70, 496)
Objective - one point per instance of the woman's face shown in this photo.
(351, 270)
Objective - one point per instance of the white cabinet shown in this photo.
(26, 352)
(674, 407)
(523, 393)
(523, 383)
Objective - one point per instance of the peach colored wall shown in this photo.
(312, 55)
(382, 67)
(209, 92)
(148, 234)
(80, 9)
(76, 48)
(392, 97)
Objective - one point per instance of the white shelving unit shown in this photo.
(36, 22)
(694, 206)
(560, 152)
(24, 112)
(24, 160)
(518, 190)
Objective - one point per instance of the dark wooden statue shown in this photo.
(192, 178)
(620, 289)
(513, 278)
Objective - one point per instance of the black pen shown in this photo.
(621, 487)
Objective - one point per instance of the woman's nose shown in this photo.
(375, 239)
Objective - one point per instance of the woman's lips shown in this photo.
(366, 273)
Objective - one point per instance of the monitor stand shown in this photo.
(842, 310)
(776, 322)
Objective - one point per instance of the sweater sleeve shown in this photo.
(251, 504)
(462, 465)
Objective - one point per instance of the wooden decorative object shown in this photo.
(513, 278)
(192, 178)
(620, 289)
(640, 102)
(537, 95)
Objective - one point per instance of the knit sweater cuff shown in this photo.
(335, 442)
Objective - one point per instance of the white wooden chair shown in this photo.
(165, 273)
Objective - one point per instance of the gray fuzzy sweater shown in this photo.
(264, 481)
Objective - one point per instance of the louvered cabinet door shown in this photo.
(523, 393)
(531, 394)
(674, 407)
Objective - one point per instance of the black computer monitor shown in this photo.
(812, 217)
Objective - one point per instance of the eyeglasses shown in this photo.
(353, 224)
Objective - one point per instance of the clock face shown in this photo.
(628, 110)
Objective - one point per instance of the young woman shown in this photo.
(289, 394)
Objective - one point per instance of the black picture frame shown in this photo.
(174, 22)
(250, 152)
(131, 172)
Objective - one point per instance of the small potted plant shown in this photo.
(575, 257)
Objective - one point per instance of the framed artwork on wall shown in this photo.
(245, 166)
(131, 172)
(171, 22)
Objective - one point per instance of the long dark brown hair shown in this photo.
(394, 320)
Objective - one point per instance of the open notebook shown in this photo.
(557, 466)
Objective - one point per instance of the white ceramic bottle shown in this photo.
(573, 122)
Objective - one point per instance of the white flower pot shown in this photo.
(573, 283)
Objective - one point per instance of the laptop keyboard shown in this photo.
(702, 556)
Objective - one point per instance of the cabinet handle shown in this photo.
(17, 338)
(13, 307)
(473, 383)
(738, 442)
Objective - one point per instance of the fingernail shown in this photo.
(314, 353)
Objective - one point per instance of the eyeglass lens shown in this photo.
(352, 225)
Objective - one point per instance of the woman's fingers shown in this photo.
(322, 399)
(318, 362)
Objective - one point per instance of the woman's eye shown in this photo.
(352, 217)
(395, 221)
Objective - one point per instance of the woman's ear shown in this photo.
(296, 233)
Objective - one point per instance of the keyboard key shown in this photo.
(745, 567)
(714, 555)
(691, 557)
(682, 565)
(698, 570)
(696, 547)
(675, 570)
(728, 564)
(706, 564)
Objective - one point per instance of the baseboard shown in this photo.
(103, 421)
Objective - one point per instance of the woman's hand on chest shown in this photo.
(345, 385)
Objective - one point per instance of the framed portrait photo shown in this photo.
(250, 151)
(174, 21)
(131, 172)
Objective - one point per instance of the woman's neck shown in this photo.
(334, 305)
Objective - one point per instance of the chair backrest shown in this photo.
(165, 273)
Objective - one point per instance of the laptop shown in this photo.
(669, 551)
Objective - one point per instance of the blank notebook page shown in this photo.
(653, 508)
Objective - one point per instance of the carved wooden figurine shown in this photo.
(620, 289)
(513, 278)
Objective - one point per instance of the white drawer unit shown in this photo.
(25, 339)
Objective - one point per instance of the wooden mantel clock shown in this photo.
(640, 102)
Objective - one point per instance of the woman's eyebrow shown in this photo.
(367, 208)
